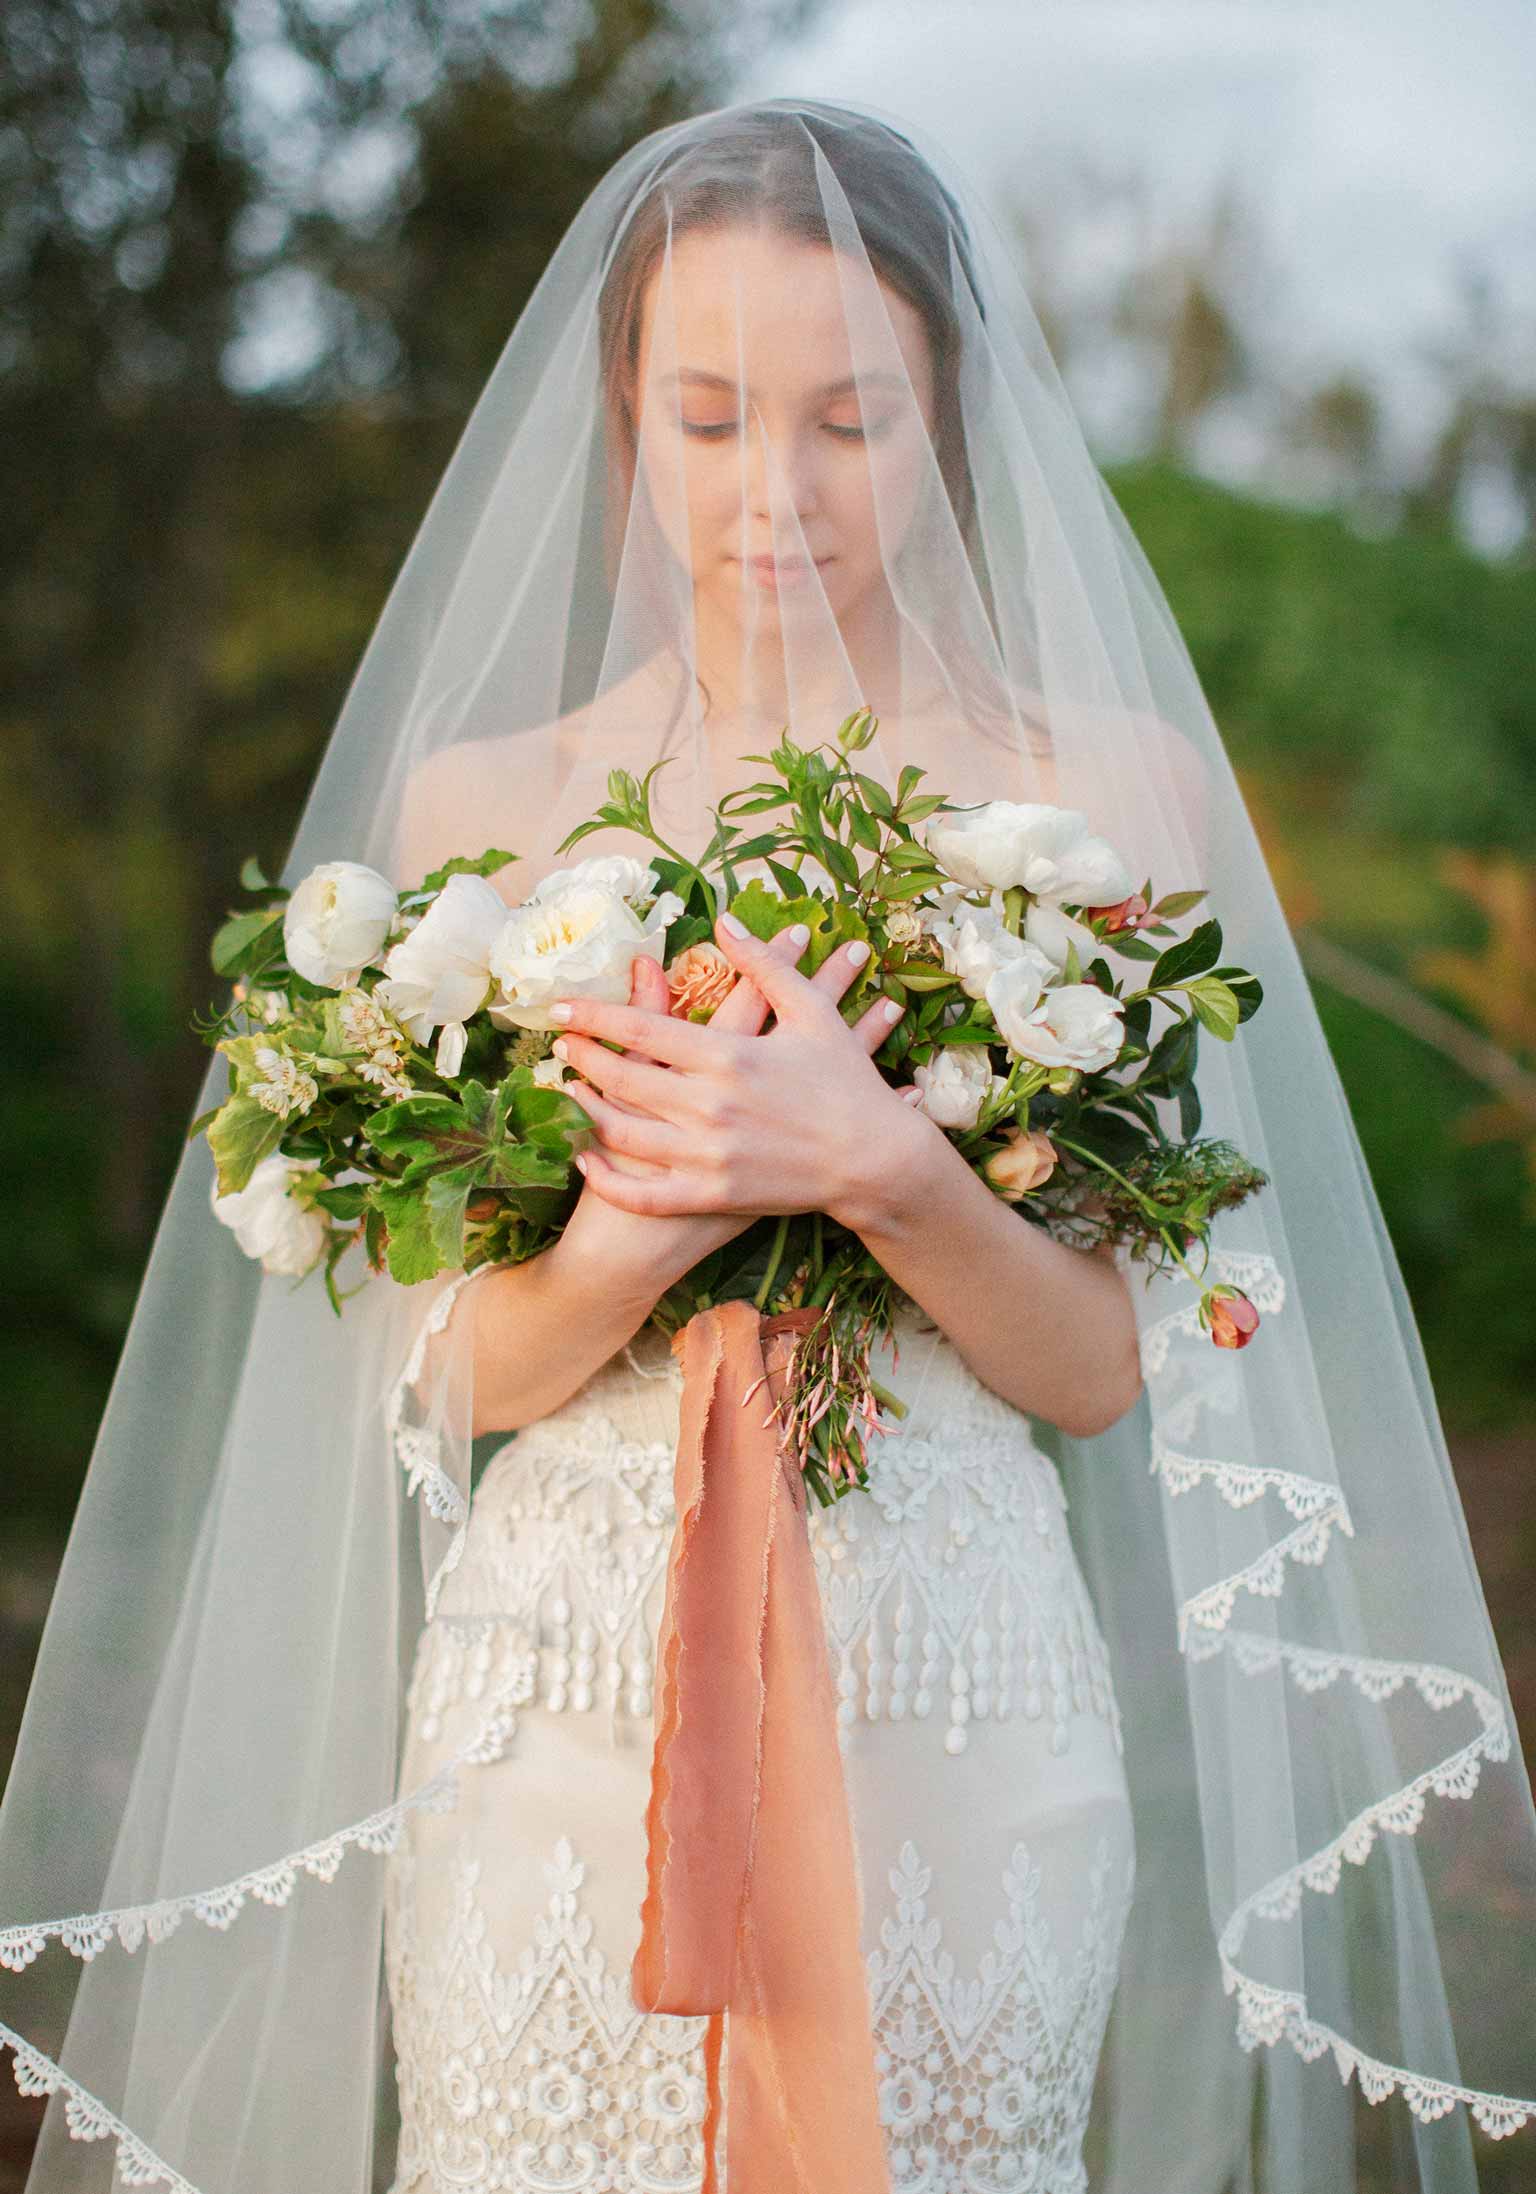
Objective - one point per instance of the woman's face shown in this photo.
(796, 484)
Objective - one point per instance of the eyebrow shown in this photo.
(697, 377)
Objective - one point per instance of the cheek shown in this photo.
(876, 498)
(694, 488)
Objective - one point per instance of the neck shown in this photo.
(785, 673)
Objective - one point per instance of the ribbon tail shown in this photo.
(751, 1906)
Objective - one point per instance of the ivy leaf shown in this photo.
(242, 1134)
(410, 1250)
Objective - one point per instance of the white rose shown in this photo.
(1074, 1025)
(1050, 851)
(1050, 931)
(268, 1223)
(956, 1082)
(440, 974)
(1015, 991)
(974, 943)
(552, 1074)
(336, 921)
(581, 943)
(619, 874)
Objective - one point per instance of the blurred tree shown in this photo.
(255, 258)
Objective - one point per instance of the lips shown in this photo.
(784, 570)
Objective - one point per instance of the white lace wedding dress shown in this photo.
(982, 1752)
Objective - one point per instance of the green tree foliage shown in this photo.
(195, 552)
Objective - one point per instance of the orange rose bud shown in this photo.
(1026, 1161)
(699, 980)
(1125, 914)
(1234, 1321)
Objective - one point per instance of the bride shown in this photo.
(990, 1812)
(1183, 1802)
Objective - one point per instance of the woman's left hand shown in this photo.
(796, 1119)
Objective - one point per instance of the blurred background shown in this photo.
(257, 258)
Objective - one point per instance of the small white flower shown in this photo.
(364, 1024)
(1049, 851)
(268, 1223)
(383, 1071)
(580, 942)
(551, 1073)
(904, 927)
(284, 1087)
(1073, 1025)
(336, 921)
(956, 1082)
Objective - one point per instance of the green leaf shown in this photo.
(915, 810)
(864, 829)
(251, 878)
(1216, 1004)
(876, 798)
(242, 1134)
(246, 940)
(1178, 902)
(486, 864)
(907, 782)
(347, 1202)
(1191, 956)
(410, 1252)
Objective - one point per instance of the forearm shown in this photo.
(543, 1327)
(1049, 1328)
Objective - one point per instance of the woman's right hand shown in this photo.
(640, 1250)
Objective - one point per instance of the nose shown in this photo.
(783, 466)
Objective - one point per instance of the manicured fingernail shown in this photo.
(858, 952)
(800, 934)
(581, 1164)
(561, 1012)
(732, 927)
(893, 1012)
(558, 1048)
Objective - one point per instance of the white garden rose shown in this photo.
(1015, 990)
(336, 921)
(580, 942)
(1071, 1025)
(955, 1083)
(1051, 931)
(974, 943)
(440, 974)
(268, 1224)
(1049, 851)
(619, 874)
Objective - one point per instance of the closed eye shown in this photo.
(715, 430)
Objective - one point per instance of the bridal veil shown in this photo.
(778, 435)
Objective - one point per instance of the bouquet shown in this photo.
(392, 1084)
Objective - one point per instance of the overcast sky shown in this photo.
(1383, 144)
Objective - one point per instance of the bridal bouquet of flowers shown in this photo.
(391, 1077)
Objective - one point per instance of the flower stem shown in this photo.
(775, 1255)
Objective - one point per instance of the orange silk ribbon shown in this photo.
(751, 1902)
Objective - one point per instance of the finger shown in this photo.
(840, 968)
(668, 1195)
(635, 1134)
(648, 985)
(630, 1079)
(654, 1035)
(788, 992)
(876, 1023)
(745, 1008)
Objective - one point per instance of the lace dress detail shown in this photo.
(982, 1750)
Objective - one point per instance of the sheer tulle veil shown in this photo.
(784, 334)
